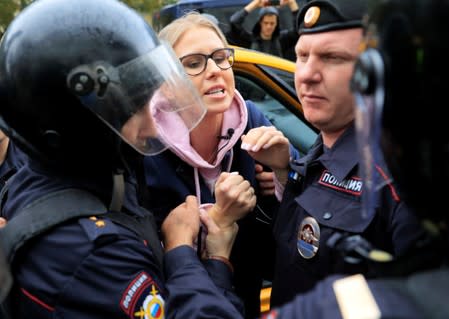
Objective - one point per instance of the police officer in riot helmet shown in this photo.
(402, 71)
(77, 79)
(47, 119)
(401, 83)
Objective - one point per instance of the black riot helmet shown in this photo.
(401, 82)
(73, 72)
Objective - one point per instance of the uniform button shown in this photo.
(327, 215)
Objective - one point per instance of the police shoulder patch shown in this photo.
(95, 227)
(355, 299)
(142, 298)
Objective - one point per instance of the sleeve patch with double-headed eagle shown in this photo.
(142, 299)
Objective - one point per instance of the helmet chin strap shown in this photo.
(118, 191)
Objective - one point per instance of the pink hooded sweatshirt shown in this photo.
(173, 131)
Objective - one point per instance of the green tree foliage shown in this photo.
(145, 6)
(9, 9)
(166, 2)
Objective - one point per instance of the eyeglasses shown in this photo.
(196, 63)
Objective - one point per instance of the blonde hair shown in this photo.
(193, 19)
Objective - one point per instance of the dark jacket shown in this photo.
(14, 159)
(281, 44)
(95, 268)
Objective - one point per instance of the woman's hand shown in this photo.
(234, 199)
(269, 146)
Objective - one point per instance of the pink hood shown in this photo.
(175, 133)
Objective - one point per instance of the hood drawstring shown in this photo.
(200, 244)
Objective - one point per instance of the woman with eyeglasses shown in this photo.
(194, 164)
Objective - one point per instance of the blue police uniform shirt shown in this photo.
(324, 200)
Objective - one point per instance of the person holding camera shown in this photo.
(266, 35)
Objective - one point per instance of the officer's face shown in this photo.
(139, 128)
(324, 67)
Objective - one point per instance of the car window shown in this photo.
(286, 78)
(293, 126)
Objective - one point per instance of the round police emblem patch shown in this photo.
(153, 306)
(308, 240)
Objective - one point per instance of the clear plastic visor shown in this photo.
(368, 124)
(124, 97)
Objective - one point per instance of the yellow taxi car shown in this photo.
(268, 81)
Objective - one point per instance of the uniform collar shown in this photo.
(341, 159)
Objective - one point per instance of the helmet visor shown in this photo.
(117, 94)
(369, 73)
